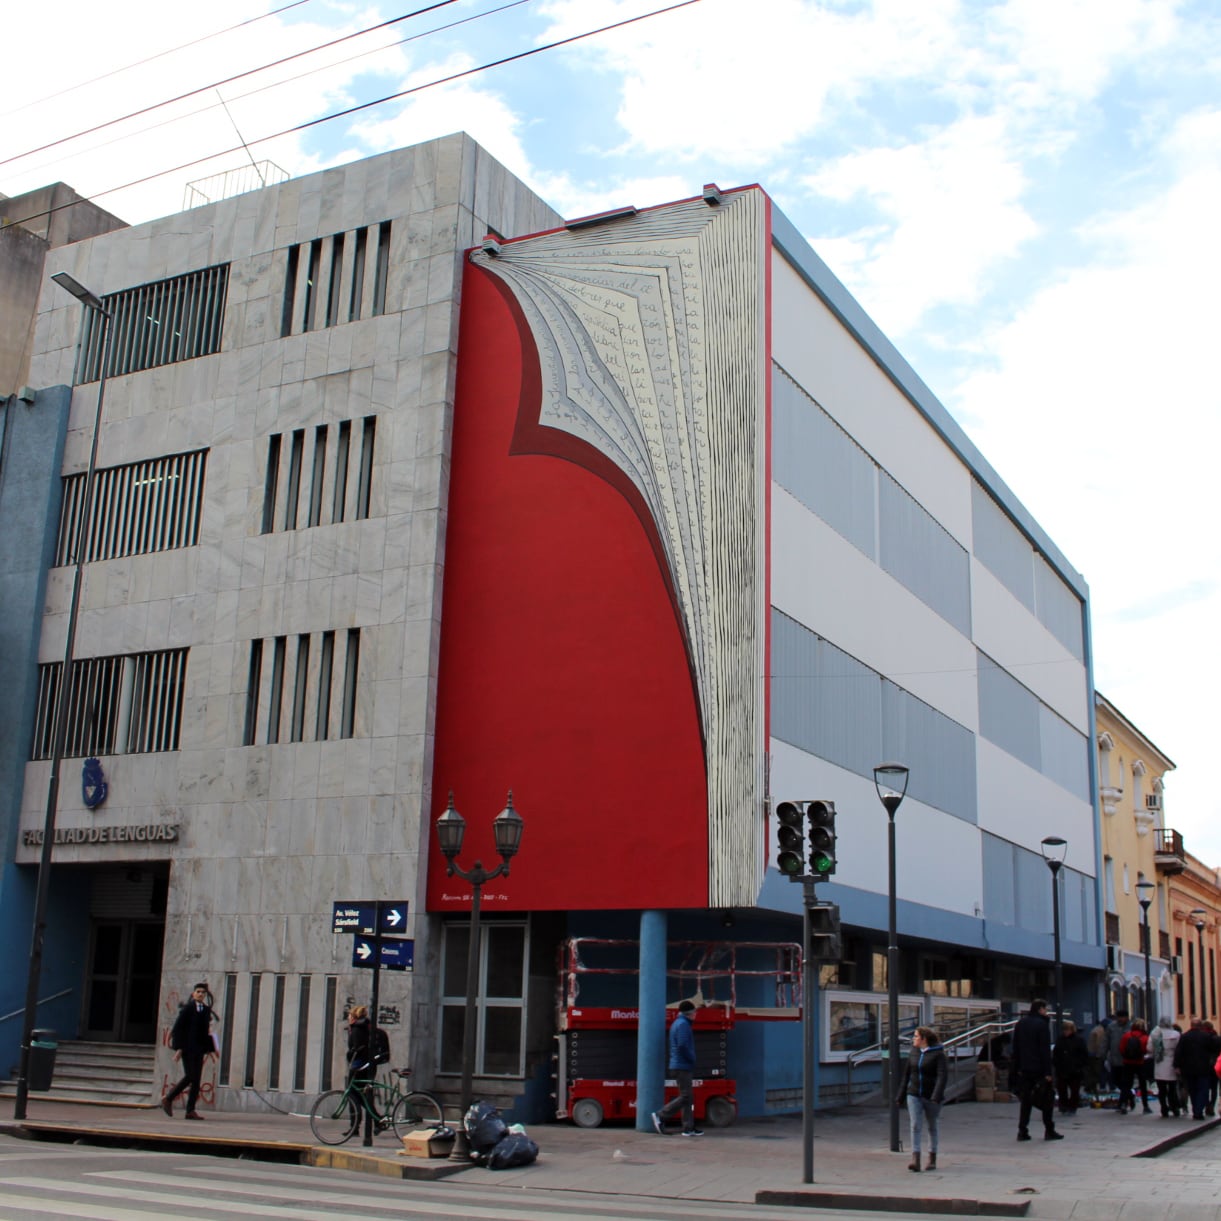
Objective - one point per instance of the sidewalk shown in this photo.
(1102, 1169)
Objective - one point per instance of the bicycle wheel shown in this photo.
(335, 1117)
(416, 1110)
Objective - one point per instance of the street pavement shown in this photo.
(1108, 1166)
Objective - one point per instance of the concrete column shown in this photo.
(651, 1040)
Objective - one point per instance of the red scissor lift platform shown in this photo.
(596, 1059)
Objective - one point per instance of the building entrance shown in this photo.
(123, 974)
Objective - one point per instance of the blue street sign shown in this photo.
(393, 915)
(359, 916)
(396, 955)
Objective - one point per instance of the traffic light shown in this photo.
(826, 944)
(790, 840)
(822, 839)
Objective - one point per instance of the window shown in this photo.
(858, 1022)
(325, 280)
(500, 1011)
(117, 705)
(322, 483)
(155, 324)
(138, 508)
(296, 702)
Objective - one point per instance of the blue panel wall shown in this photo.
(31, 458)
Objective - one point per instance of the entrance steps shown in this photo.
(115, 1073)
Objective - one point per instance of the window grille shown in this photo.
(320, 484)
(156, 324)
(153, 505)
(301, 699)
(117, 705)
(341, 278)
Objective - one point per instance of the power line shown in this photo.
(339, 114)
(228, 80)
(288, 80)
(139, 63)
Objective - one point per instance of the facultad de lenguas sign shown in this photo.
(141, 833)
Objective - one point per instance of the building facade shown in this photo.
(408, 487)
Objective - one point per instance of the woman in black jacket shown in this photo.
(1070, 1056)
(922, 1082)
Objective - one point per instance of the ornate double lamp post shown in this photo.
(451, 828)
(890, 780)
(1144, 896)
(1054, 849)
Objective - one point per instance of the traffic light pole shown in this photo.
(809, 993)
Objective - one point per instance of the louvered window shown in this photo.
(141, 507)
(156, 324)
(319, 476)
(341, 278)
(305, 691)
(117, 705)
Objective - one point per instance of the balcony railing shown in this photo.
(1168, 853)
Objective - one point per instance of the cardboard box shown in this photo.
(985, 1093)
(427, 1143)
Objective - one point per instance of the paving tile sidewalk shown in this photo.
(1097, 1171)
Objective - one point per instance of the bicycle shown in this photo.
(336, 1115)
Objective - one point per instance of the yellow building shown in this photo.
(1131, 770)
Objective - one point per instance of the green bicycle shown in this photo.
(337, 1115)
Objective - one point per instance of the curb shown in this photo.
(941, 1206)
(396, 1167)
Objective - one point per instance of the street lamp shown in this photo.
(1144, 896)
(62, 698)
(1197, 918)
(890, 780)
(506, 831)
(1054, 849)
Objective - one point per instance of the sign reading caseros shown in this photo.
(141, 833)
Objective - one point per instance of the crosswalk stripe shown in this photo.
(61, 1208)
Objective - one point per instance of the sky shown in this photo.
(1023, 194)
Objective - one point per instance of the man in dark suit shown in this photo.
(1032, 1070)
(191, 1039)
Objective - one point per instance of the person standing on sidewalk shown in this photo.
(1097, 1076)
(1194, 1058)
(1070, 1058)
(1116, 1029)
(191, 1039)
(1164, 1042)
(1032, 1071)
(1134, 1048)
(922, 1083)
(682, 1064)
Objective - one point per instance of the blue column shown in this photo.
(651, 1041)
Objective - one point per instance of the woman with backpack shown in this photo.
(1133, 1051)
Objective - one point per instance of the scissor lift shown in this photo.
(596, 1058)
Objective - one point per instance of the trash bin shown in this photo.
(43, 1046)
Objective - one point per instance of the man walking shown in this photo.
(191, 1039)
(1032, 1071)
(682, 1065)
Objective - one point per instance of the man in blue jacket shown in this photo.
(682, 1066)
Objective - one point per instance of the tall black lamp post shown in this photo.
(1054, 849)
(1144, 896)
(506, 830)
(890, 780)
(1198, 915)
(63, 699)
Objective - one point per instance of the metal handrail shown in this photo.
(46, 1000)
(952, 1044)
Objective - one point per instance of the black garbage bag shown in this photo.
(484, 1127)
(513, 1149)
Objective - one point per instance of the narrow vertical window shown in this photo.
(356, 297)
(342, 447)
(226, 1031)
(271, 483)
(319, 476)
(290, 290)
(328, 1031)
(300, 680)
(277, 688)
(295, 455)
(253, 678)
(303, 1033)
(311, 283)
(382, 270)
(366, 467)
(351, 664)
(332, 291)
(326, 670)
(252, 1029)
(277, 1033)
